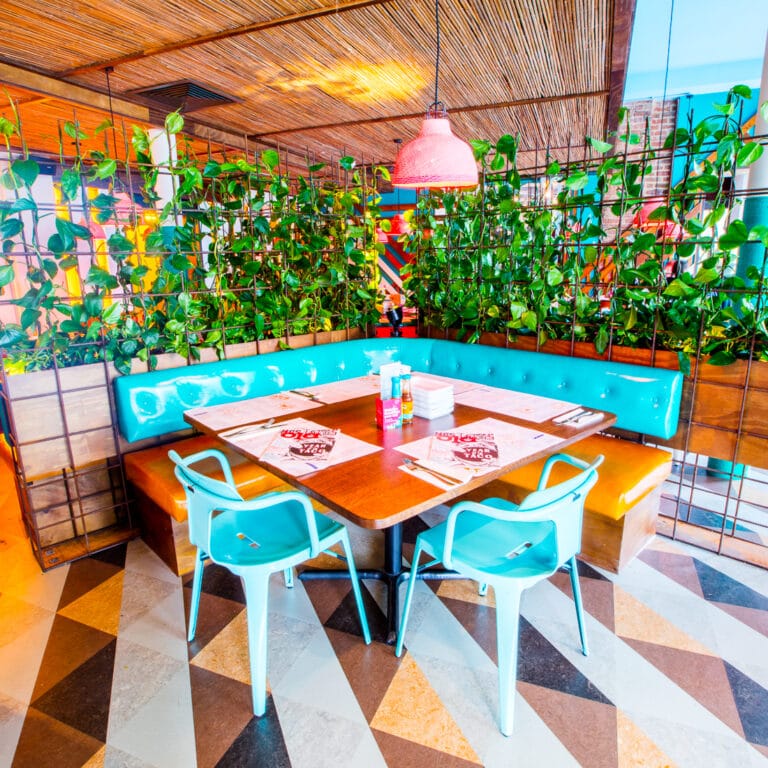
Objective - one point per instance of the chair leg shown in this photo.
(288, 578)
(579, 608)
(408, 595)
(197, 584)
(355, 586)
(256, 588)
(507, 640)
(482, 589)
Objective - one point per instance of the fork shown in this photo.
(414, 466)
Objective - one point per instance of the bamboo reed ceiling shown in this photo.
(329, 78)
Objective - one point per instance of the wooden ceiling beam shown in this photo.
(224, 34)
(77, 94)
(617, 60)
(454, 110)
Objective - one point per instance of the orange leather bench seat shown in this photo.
(150, 470)
(630, 472)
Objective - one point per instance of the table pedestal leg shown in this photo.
(393, 574)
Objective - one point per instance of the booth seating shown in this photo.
(621, 508)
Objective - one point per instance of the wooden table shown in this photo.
(372, 492)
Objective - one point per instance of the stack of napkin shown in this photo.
(431, 399)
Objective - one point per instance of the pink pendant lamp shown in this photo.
(435, 158)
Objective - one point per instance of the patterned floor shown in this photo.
(95, 670)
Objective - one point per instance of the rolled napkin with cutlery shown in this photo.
(578, 417)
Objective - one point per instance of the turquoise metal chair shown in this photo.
(254, 538)
(512, 548)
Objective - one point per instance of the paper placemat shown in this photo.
(298, 446)
(521, 405)
(472, 450)
(339, 391)
(243, 412)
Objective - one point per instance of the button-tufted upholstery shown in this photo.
(645, 400)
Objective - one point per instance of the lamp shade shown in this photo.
(435, 159)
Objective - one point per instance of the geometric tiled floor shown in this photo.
(95, 670)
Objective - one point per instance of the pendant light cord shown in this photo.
(437, 52)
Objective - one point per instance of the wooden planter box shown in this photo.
(68, 452)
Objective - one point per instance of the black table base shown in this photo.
(393, 574)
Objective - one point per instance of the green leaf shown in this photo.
(92, 304)
(23, 204)
(677, 288)
(315, 167)
(530, 320)
(706, 276)
(70, 184)
(26, 170)
(480, 148)
(102, 126)
(7, 128)
(742, 90)
(735, 236)
(599, 146)
(749, 153)
(105, 169)
(601, 340)
(507, 146)
(759, 232)
(101, 278)
(56, 245)
(6, 275)
(677, 138)
(722, 357)
(212, 169)
(577, 180)
(111, 315)
(103, 200)
(347, 162)
(725, 109)
(554, 276)
(10, 228)
(174, 122)
(498, 162)
(270, 158)
(117, 243)
(73, 130)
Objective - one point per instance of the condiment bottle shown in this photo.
(397, 395)
(406, 399)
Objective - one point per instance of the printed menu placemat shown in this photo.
(298, 446)
(521, 405)
(474, 449)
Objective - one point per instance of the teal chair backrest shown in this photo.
(204, 494)
(563, 504)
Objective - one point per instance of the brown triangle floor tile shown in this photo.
(755, 618)
(214, 614)
(370, 669)
(326, 595)
(81, 700)
(596, 594)
(221, 708)
(566, 715)
(261, 742)
(48, 743)
(83, 576)
(70, 644)
(679, 568)
(401, 753)
(703, 677)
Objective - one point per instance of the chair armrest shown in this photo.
(566, 459)
(210, 453)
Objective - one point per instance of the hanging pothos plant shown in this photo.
(567, 255)
(238, 252)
